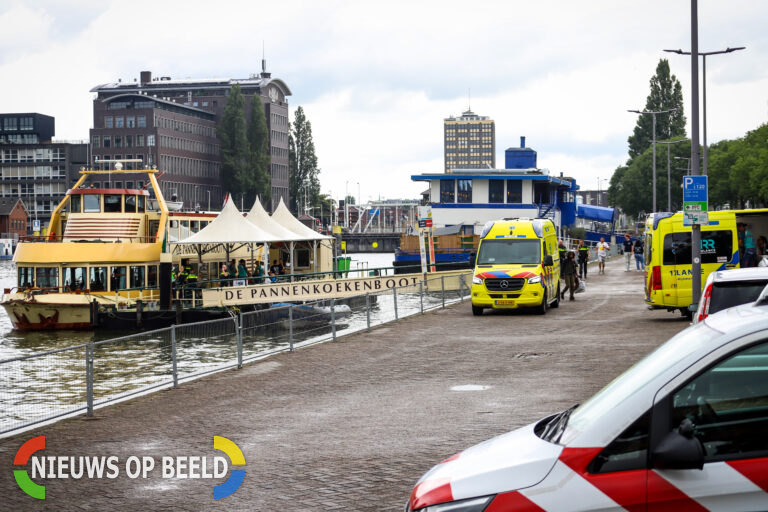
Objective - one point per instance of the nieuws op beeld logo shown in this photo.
(110, 467)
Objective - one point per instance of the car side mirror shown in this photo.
(548, 260)
(679, 449)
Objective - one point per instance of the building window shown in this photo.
(10, 123)
(142, 121)
(150, 140)
(108, 122)
(119, 122)
(514, 191)
(447, 191)
(129, 141)
(139, 141)
(107, 141)
(495, 191)
(96, 141)
(118, 141)
(464, 192)
(25, 123)
(130, 122)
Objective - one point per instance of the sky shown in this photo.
(376, 79)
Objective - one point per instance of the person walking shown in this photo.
(639, 256)
(568, 269)
(561, 249)
(602, 254)
(627, 250)
(583, 259)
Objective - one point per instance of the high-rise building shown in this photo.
(469, 141)
(171, 123)
(35, 168)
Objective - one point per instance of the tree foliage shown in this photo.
(304, 184)
(666, 93)
(259, 158)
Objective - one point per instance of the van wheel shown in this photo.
(556, 302)
(477, 310)
(687, 313)
(542, 308)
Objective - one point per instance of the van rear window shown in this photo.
(716, 247)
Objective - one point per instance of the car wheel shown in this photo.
(542, 308)
(556, 302)
(477, 310)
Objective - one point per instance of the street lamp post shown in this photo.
(653, 114)
(209, 200)
(669, 172)
(704, 88)
(195, 197)
(599, 195)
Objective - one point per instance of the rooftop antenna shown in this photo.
(263, 58)
(469, 99)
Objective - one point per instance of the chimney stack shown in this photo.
(522, 141)
(146, 77)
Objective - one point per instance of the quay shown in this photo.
(352, 424)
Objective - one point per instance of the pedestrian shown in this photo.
(762, 248)
(627, 250)
(639, 254)
(583, 259)
(275, 268)
(568, 270)
(224, 276)
(602, 254)
(242, 272)
(561, 249)
(750, 249)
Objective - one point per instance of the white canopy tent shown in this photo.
(284, 218)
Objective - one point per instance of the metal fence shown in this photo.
(45, 386)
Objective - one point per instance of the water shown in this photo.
(44, 386)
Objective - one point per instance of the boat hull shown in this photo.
(56, 311)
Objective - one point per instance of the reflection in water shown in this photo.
(55, 383)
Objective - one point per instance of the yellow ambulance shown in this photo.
(668, 253)
(517, 266)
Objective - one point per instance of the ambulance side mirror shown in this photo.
(548, 260)
(679, 449)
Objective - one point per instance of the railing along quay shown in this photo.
(46, 386)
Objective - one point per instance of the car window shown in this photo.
(728, 294)
(728, 404)
(716, 247)
(628, 451)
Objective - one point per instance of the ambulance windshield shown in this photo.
(505, 251)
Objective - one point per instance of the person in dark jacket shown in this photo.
(568, 270)
(583, 259)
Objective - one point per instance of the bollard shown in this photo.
(174, 369)
(333, 318)
(89, 379)
(368, 311)
(442, 285)
(239, 337)
(421, 297)
(290, 327)
(394, 298)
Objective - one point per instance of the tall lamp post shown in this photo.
(599, 195)
(653, 114)
(669, 172)
(704, 88)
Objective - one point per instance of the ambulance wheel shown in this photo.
(556, 302)
(541, 309)
(687, 313)
(477, 310)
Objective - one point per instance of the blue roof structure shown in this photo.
(598, 213)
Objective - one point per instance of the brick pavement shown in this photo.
(351, 425)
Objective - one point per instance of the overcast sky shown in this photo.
(376, 78)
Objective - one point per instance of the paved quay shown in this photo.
(352, 424)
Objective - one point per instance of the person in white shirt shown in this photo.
(602, 253)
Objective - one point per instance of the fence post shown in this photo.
(461, 287)
(290, 327)
(173, 357)
(368, 311)
(442, 286)
(89, 379)
(394, 298)
(239, 327)
(421, 296)
(333, 318)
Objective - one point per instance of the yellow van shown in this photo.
(517, 266)
(668, 253)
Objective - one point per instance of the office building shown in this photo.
(469, 142)
(171, 123)
(33, 167)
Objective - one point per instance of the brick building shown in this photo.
(13, 217)
(171, 123)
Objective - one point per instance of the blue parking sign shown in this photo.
(695, 200)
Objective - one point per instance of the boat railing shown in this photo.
(100, 238)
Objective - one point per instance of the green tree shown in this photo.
(666, 93)
(259, 158)
(304, 184)
(235, 152)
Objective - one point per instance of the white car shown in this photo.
(684, 429)
(728, 288)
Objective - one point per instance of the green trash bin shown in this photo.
(342, 265)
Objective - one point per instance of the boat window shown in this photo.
(47, 277)
(185, 224)
(130, 204)
(514, 191)
(151, 276)
(74, 278)
(91, 203)
(74, 203)
(117, 279)
(113, 203)
(137, 276)
(194, 226)
(154, 226)
(495, 191)
(142, 204)
(98, 279)
(26, 277)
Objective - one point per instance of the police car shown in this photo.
(684, 429)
